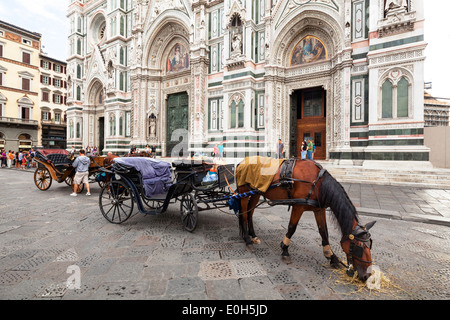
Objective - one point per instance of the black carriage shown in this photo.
(152, 185)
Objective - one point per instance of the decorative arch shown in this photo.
(307, 23)
(169, 28)
(95, 92)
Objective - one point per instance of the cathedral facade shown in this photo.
(186, 75)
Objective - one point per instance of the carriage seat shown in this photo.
(154, 174)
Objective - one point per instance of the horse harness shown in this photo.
(286, 181)
(356, 251)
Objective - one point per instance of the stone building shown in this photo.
(186, 75)
(19, 87)
(436, 111)
(52, 100)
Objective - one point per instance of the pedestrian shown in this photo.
(3, 155)
(221, 150)
(94, 151)
(311, 149)
(81, 165)
(216, 151)
(153, 151)
(304, 149)
(24, 160)
(10, 159)
(280, 150)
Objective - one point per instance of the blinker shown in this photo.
(358, 251)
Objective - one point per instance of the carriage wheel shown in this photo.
(42, 178)
(69, 181)
(189, 212)
(116, 201)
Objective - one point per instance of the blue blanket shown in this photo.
(156, 175)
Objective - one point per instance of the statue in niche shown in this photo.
(152, 126)
(111, 77)
(395, 4)
(236, 44)
(236, 35)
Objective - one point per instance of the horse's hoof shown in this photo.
(334, 262)
(286, 259)
(250, 248)
(256, 240)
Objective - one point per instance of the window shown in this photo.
(26, 84)
(45, 79)
(79, 47)
(57, 83)
(25, 141)
(122, 26)
(25, 113)
(387, 92)
(121, 125)
(45, 96)
(26, 57)
(78, 93)
(27, 42)
(402, 98)
(112, 125)
(1, 49)
(237, 113)
(78, 71)
(45, 115)
(78, 130)
(57, 117)
(57, 98)
(57, 68)
(1, 79)
(45, 65)
(395, 99)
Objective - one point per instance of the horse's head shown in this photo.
(357, 246)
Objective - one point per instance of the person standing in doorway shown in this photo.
(311, 148)
(81, 165)
(304, 149)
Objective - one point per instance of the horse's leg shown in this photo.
(323, 230)
(251, 208)
(296, 214)
(244, 223)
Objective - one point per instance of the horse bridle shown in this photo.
(356, 251)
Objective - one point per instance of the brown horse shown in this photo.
(310, 181)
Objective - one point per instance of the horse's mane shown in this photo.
(333, 195)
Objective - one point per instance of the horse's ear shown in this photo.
(369, 225)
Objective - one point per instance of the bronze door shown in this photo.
(177, 118)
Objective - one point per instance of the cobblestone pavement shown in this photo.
(48, 238)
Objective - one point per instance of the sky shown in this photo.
(48, 17)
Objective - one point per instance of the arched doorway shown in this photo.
(309, 110)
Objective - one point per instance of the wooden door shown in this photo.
(312, 121)
(177, 118)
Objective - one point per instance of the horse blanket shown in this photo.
(257, 171)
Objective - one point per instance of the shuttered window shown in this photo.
(26, 57)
